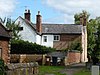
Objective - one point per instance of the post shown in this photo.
(95, 70)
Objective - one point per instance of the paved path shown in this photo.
(71, 69)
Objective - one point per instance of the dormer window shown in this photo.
(56, 37)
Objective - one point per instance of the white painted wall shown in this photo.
(38, 39)
(49, 42)
(84, 44)
(27, 34)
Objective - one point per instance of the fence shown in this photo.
(22, 69)
(26, 58)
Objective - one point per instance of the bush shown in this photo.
(25, 47)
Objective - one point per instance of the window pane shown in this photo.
(56, 37)
(45, 38)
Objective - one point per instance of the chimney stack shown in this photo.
(27, 15)
(83, 20)
(39, 23)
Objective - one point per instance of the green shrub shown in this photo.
(25, 47)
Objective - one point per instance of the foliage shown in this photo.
(14, 27)
(2, 67)
(10, 25)
(76, 45)
(78, 15)
(91, 29)
(51, 70)
(93, 32)
(25, 47)
(97, 47)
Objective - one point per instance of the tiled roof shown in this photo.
(3, 31)
(57, 28)
(61, 28)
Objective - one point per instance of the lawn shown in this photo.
(83, 72)
(50, 70)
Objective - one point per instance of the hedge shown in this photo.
(25, 47)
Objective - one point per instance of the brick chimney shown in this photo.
(39, 23)
(83, 20)
(27, 15)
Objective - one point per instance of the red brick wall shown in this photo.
(5, 50)
(73, 57)
(68, 37)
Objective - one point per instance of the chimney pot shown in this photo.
(27, 14)
(38, 23)
(38, 12)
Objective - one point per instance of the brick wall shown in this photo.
(68, 37)
(73, 57)
(4, 45)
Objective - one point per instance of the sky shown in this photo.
(52, 11)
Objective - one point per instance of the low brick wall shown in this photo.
(73, 57)
(22, 69)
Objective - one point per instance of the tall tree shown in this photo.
(82, 14)
(91, 39)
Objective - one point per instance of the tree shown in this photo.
(93, 29)
(10, 25)
(14, 27)
(91, 39)
(78, 15)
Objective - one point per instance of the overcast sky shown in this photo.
(52, 11)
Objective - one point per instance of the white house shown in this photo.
(58, 36)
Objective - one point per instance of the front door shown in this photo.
(54, 61)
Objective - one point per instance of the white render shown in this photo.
(84, 44)
(49, 42)
(27, 34)
(38, 39)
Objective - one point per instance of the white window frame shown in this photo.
(57, 39)
(44, 38)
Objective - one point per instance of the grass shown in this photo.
(50, 70)
(83, 72)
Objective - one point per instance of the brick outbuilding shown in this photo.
(4, 43)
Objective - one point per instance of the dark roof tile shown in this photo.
(3, 31)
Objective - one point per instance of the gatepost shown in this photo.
(95, 70)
